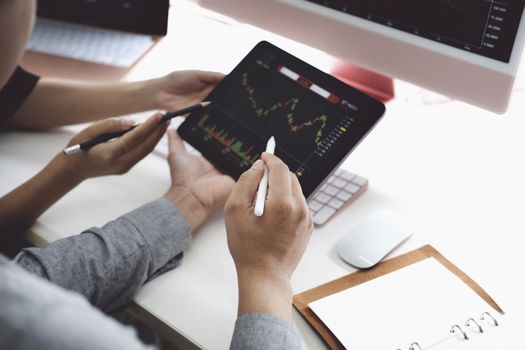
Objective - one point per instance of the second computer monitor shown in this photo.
(139, 16)
(465, 49)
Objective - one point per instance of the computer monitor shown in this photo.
(138, 16)
(466, 49)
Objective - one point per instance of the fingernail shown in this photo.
(258, 165)
(126, 122)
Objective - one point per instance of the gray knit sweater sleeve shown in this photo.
(263, 331)
(106, 266)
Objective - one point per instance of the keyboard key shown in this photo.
(346, 175)
(331, 190)
(359, 181)
(344, 196)
(339, 172)
(323, 215)
(331, 180)
(322, 197)
(339, 183)
(314, 205)
(336, 203)
(352, 188)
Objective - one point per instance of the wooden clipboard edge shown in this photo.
(301, 300)
(432, 252)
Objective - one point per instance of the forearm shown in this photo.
(265, 312)
(38, 315)
(109, 264)
(21, 207)
(56, 102)
(263, 292)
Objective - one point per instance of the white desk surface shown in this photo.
(456, 170)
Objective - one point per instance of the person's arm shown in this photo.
(109, 264)
(21, 207)
(266, 251)
(59, 102)
(56, 102)
(36, 314)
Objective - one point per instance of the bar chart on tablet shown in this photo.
(255, 110)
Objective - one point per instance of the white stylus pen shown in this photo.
(263, 185)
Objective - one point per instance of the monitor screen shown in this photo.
(466, 49)
(139, 16)
(487, 28)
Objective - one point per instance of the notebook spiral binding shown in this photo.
(485, 317)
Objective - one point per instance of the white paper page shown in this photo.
(101, 46)
(417, 303)
(508, 335)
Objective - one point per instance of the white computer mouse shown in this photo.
(374, 237)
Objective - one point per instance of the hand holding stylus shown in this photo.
(110, 158)
(84, 146)
(267, 249)
(263, 185)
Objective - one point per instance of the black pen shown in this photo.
(106, 137)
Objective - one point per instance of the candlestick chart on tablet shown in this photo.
(268, 95)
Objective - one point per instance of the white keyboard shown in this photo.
(109, 47)
(339, 191)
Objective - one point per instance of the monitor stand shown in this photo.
(373, 84)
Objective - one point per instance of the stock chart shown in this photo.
(485, 27)
(263, 103)
(314, 126)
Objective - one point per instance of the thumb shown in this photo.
(210, 77)
(244, 191)
(103, 127)
(175, 144)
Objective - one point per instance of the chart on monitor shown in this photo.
(485, 27)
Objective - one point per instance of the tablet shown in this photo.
(316, 119)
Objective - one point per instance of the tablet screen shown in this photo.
(316, 119)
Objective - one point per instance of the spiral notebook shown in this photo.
(416, 301)
(501, 332)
